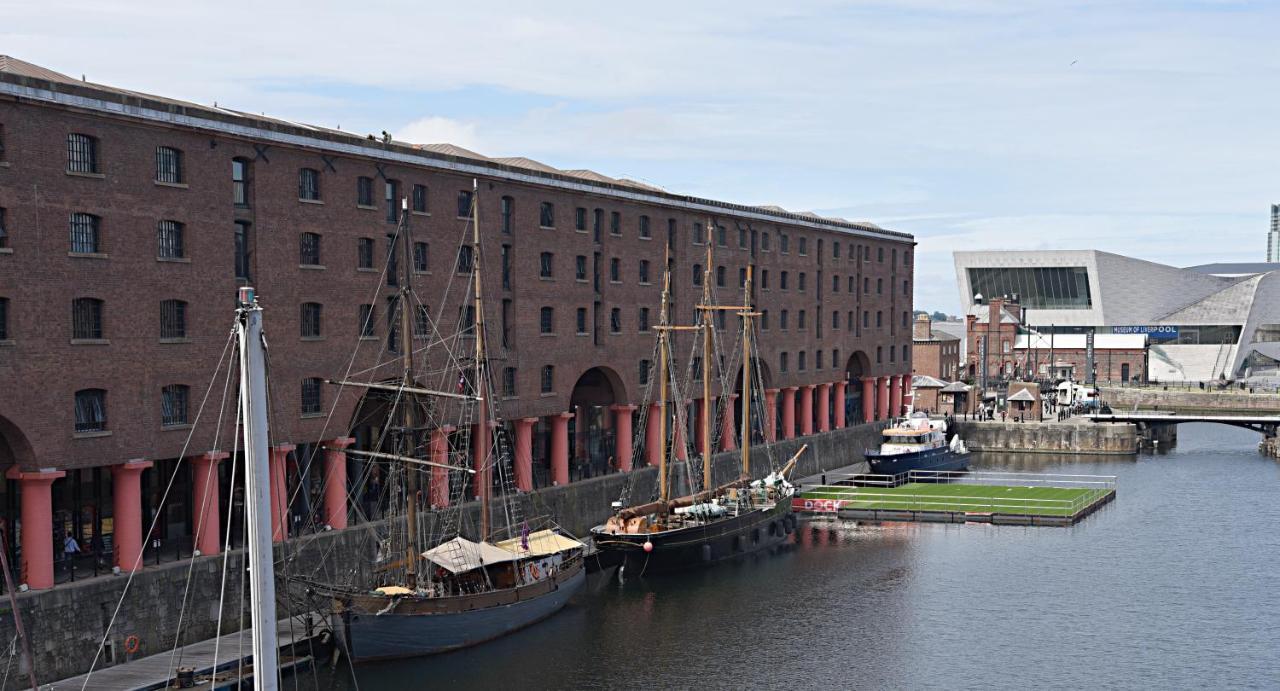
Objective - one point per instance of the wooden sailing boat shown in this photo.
(716, 523)
(459, 592)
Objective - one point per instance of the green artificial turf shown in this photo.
(999, 499)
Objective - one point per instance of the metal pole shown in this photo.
(17, 614)
(253, 404)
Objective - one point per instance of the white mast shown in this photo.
(253, 407)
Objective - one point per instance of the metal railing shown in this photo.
(1096, 486)
(1062, 480)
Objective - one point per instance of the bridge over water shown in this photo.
(1267, 425)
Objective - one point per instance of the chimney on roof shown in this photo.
(995, 307)
(922, 330)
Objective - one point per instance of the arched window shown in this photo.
(309, 184)
(91, 410)
(85, 233)
(82, 153)
(173, 405)
(173, 319)
(169, 240)
(312, 403)
(86, 319)
(311, 319)
(168, 165)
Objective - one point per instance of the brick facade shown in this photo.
(852, 283)
(934, 353)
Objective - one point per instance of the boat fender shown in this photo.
(755, 536)
(789, 524)
(706, 553)
(131, 644)
(737, 543)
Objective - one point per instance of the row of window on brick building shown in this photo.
(83, 158)
(91, 404)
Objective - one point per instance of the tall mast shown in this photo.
(707, 326)
(407, 427)
(253, 406)
(480, 444)
(662, 382)
(746, 374)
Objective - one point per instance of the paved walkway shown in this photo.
(154, 672)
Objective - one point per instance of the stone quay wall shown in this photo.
(1049, 437)
(1124, 398)
(67, 623)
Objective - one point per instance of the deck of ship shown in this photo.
(157, 671)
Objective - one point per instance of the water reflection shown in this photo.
(1163, 588)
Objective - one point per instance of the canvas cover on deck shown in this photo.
(541, 543)
(460, 555)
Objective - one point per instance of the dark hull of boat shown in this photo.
(941, 458)
(696, 546)
(413, 629)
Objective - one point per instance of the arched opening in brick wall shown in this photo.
(15, 452)
(592, 440)
(856, 368)
(762, 378)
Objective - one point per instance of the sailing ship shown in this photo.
(917, 443)
(421, 598)
(718, 522)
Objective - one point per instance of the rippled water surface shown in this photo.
(1176, 584)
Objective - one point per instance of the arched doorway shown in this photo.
(376, 426)
(856, 368)
(15, 451)
(592, 440)
(762, 378)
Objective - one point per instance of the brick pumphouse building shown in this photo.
(128, 221)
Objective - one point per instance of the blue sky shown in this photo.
(1146, 128)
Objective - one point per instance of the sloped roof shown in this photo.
(588, 175)
(640, 185)
(924, 381)
(1023, 395)
(541, 543)
(22, 67)
(955, 387)
(450, 150)
(1231, 305)
(51, 87)
(460, 555)
(522, 162)
(983, 314)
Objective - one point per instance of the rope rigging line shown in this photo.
(155, 519)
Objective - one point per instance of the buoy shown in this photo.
(131, 644)
(648, 546)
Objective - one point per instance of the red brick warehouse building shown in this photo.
(127, 222)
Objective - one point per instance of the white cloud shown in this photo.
(965, 123)
(437, 130)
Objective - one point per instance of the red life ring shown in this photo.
(533, 570)
(131, 644)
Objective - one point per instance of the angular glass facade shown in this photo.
(1052, 288)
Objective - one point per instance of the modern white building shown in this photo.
(1203, 323)
(1273, 236)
